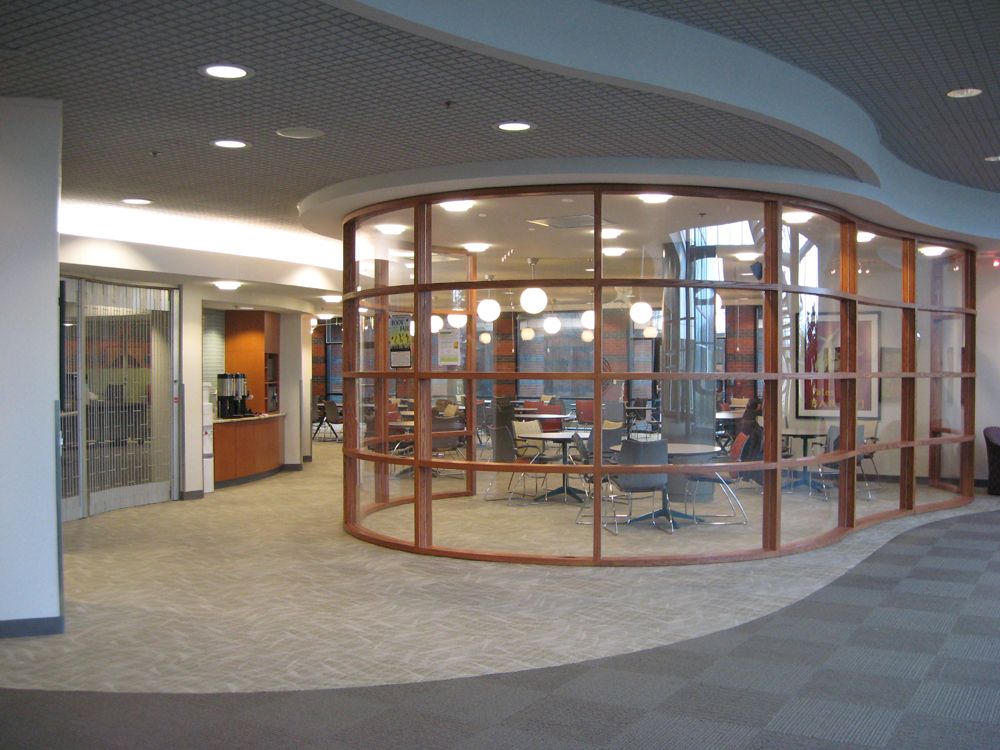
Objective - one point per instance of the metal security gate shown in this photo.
(119, 385)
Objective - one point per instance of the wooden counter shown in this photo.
(247, 448)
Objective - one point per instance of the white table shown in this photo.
(563, 438)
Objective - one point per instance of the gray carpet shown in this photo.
(903, 651)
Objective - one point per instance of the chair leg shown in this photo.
(666, 507)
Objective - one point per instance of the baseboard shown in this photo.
(193, 495)
(32, 627)
(291, 467)
(249, 478)
(307, 459)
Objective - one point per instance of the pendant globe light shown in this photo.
(527, 334)
(485, 337)
(488, 309)
(457, 320)
(533, 299)
(641, 313)
(587, 335)
(552, 325)
(587, 320)
(437, 323)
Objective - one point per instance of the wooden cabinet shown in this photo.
(252, 342)
(246, 448)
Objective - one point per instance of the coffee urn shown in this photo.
(232, 395)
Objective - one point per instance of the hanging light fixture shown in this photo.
(587, 320)
(488, 309)
(640, 312)
(437, 323)
(485, 337)
(649, 332)
(533, 299)
(527, 334)
(457, 320)
(552, 325)
(587, 335)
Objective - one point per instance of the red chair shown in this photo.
(585, 411)
(550, 425)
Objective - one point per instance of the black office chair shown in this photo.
(641, 453)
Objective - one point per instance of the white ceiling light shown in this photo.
(437, 323)
(225, 72)
(552, 324)
(229, 143)
(362, 309)
(649, 332)
(324, 316)
(534, 300)
(866, 236)
(654, 198)
(527, 334)
(586, 335)
(513, 126)
(457, 207)
(137, 201)
(228, 286)
(300, 133)
(614, 252)
(391, 229)
(396, 253)
(932, 251)
(485, 337)
(641, 313)
(457, 320)
(964, 93)
(796, 217)
(332, 298)
(488, 310)
(587, 319)
(611, 233)
(747, 256)
(476, 247)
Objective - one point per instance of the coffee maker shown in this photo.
(232, 395)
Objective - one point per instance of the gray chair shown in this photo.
(828, 474)
(641, 453)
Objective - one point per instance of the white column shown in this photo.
(30, 142)
(294, 371)
(192, 476)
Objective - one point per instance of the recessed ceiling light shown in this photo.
(796, 217)
(611, 233)
(229, 143)
(654, 198)
(332, 298)
(457, 207)
(746, 274)
(932, 251)
(324, 316)
(244, 307)
(225, 72)
(137, 201)
(300, 133)
(965, 93)
(391, 229)
(476, 247)
(514, 126)
(866, 236)
(401, 253)
(992, 158)
(589, 270)
(746, 257)
(228, 286)
(614, 252)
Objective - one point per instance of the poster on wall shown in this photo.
(819, 352)
(448, 348)
(399, 341)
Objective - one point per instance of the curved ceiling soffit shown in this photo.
(663, 57)
(589, 46)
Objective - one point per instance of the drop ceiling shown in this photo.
(139, 117)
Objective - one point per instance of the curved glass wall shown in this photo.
(605, 375)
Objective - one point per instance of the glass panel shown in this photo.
(810, 249)
(809, 494)
(384, 250)
(383, 492)
(877, 483)
(386, 414)
(880, 335)
(707, 239)
(938, 407)
(940, 338)
(940, 274)
(504, 232)
(810, 339)
(880, 266)
(937, 468)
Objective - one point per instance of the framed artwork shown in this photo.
(819, 351)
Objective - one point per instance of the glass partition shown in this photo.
(502, 414)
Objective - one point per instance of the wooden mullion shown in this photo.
(350, 385)
(771, 521)
(423, 476)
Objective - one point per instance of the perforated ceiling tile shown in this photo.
(896, 58)
(139, 117)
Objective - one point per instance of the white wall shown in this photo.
(987, 355)
(192, 477)
(30, 141)
(294, 375)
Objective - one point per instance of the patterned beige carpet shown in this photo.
(258, 588)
